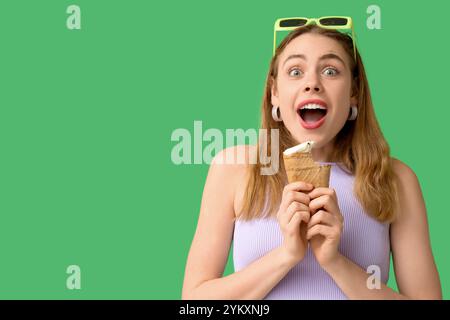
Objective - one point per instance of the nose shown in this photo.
(309, 88)
(312, 84)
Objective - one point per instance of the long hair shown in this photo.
(363, 149)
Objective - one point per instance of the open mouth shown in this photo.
(312, 115)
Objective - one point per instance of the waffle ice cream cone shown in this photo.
(300, 166)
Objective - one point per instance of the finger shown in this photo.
(304, 216)
(297, 218)
(320, 191)
(326, 202)
(297, 206)
(298, 186)
(297, 196)
(293, 196)
(291, 192)
(323, 230)
(291, 228)
(323, 217)
(291, 210)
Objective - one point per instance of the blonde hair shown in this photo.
(362, 147)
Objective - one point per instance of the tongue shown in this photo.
(312, 115)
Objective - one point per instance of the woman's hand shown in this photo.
(293, 210)
(325, 226)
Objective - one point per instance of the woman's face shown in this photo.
(313, 66)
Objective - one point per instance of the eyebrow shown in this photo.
(324, 57)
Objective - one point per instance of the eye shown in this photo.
(295, 72)
(330, 71)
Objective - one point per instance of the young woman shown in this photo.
(294, 241)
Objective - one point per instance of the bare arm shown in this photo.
(352, 280)
(211, 244)
(415, 270)
(252, 283)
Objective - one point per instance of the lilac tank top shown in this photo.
(364, 240)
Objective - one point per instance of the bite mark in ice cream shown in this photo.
(302, 147)
(300, 166)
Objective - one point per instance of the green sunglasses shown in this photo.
(335, 22)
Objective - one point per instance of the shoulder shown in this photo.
(406, 177)
(236, 156)
(402, 169)
(231, 167)
(234, 162)
(409, 190)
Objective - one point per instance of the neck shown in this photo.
(323, 154)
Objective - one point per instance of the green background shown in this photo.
(86, 118)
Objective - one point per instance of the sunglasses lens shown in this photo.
(293, 22)
(334, 21)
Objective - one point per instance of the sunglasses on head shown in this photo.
(335, 23)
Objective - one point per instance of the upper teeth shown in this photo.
(313, 106)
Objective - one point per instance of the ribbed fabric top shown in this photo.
(364, 240)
